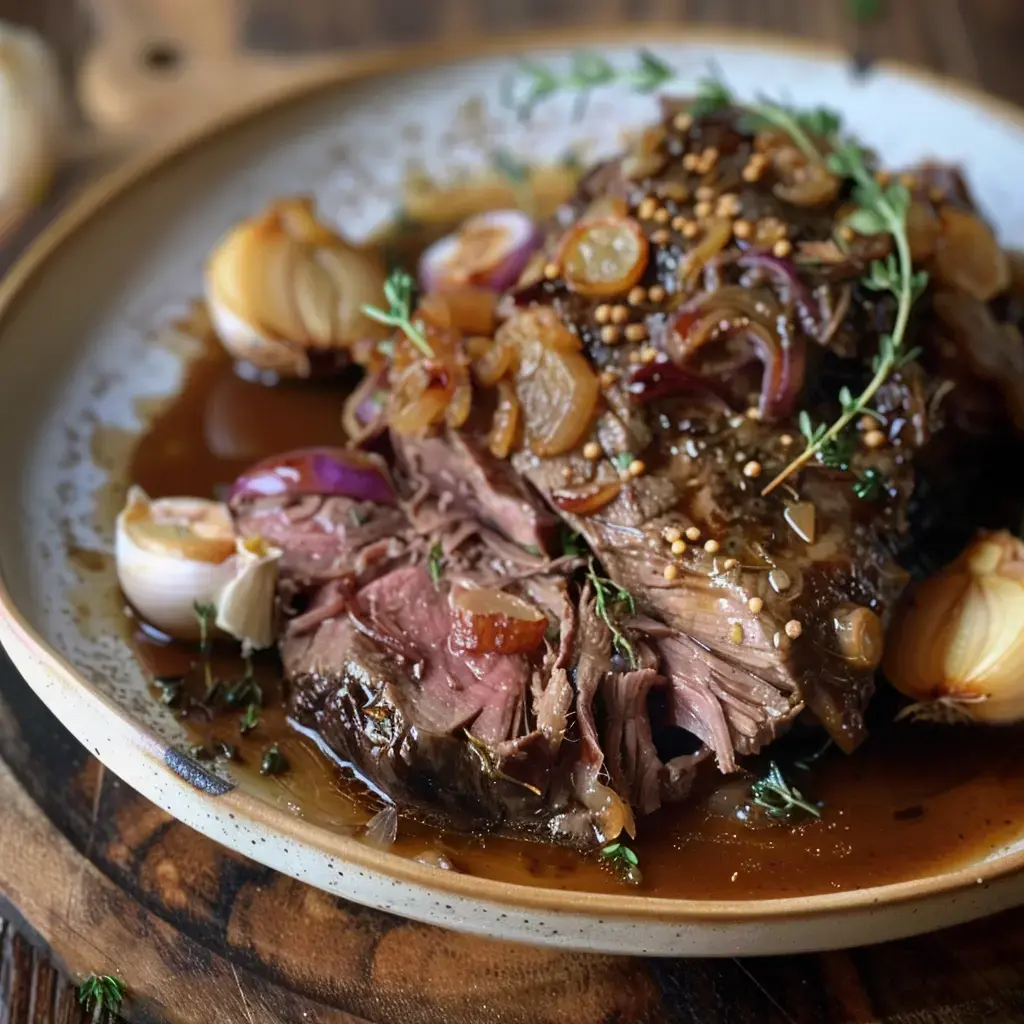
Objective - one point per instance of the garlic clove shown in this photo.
(286, 294)
(245, 606)
(171, 554)
(174, 553)
(957, 641)
(32, 117)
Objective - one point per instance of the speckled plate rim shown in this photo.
(127, 747)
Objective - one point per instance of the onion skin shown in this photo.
(958, 638)
(286, 294)
(174, 553)
(329, 471)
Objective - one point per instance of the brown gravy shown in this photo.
(915, 800)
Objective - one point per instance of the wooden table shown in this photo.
(94, 878)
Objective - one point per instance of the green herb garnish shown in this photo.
(205, 613)
(607, 594)
(587, 72)
(623, 460)
(624, 862)
(400, 291)
(778, 798)
(573, 544)
(870, 485)
(250, 719)
(865, 10)
(273, 762)
(880, 210)
(101, 995)
(435, 563)
(244, 691)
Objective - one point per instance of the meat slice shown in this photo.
(430, 727)
(467, 478)
(729, 603)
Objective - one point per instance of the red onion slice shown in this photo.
(330, 471)
(786, 274)
(489, 250)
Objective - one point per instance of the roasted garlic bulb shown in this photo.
(286, 293)
(956, 646)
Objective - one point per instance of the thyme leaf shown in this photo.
(273, 762)
(491, 766)
(101, 994)
(607, 595)
(250, 719)
(778, 798)
(573, 544)
(400, 291)
(624, 862)
(435, 563)
(870, 485)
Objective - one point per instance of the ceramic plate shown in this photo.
(79, 365)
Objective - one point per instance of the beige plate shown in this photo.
(77, 353)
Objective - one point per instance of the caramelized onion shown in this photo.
(739, 313)
(923, 230)
(813, 184)
(459, 405)
(469, 310)
(794, 290)
(493, 363)
(490, 249)
(555, 385)
(604, 257)
(488, 620)
(421, 413)
(968, 257)
(505, 425)
(363, 415)
(582, 501)
(717, 234)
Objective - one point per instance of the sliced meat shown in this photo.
(468, 479)
(429, 727)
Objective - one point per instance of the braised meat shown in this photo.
(610, 556)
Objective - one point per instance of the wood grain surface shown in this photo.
(95, 879)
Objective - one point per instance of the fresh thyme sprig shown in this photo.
(778, 798)
(624, 862)
(206, 614)
(881, 210)
(400, 291)
(101, 995)
(587, 72)
(606, 595)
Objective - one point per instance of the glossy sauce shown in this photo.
(916, 799)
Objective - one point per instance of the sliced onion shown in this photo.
(717, 235)
(489, 250)
(811, 184)
(363, 415)
(333, 471)
(968, 257)
(923, 230)
(784, 364)
(794, 289)
(582, 501)
(495, 361)
(488, 620)
(663, 378)
(421, 413)
(459, 405)
(604, 257)
(505, 425)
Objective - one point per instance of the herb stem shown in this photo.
(895, 223)
(782, 118)
(398, 290)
